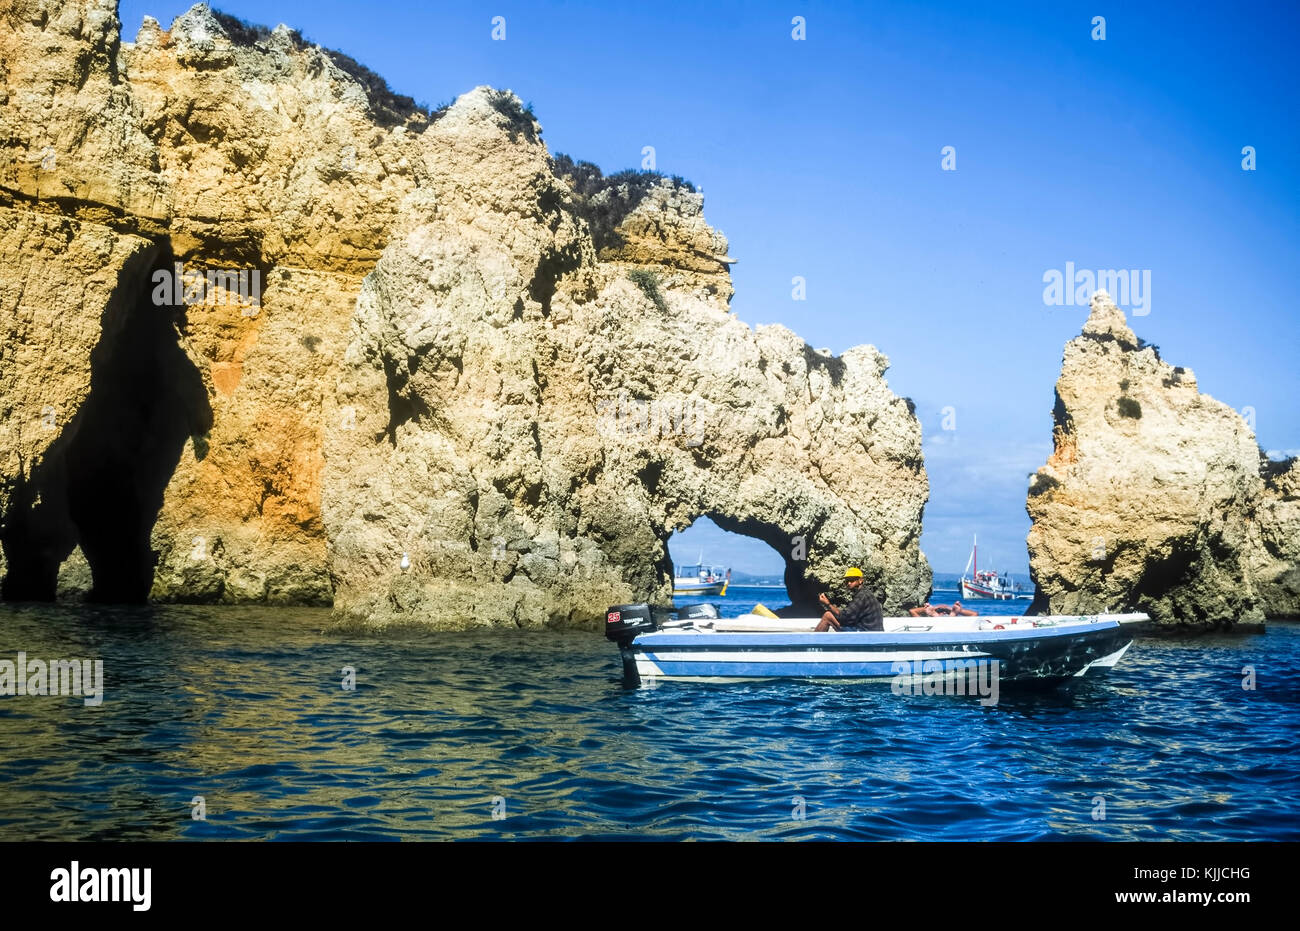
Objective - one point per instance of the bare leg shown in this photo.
(827, 621)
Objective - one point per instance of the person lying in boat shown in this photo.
(952, 610)
(863, 611)
(929, 610)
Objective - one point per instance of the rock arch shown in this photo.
(556, 448)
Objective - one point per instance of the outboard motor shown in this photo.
(698, 612)
(622, 624)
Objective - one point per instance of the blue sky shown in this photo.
(822, 159)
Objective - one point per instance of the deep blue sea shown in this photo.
(239, 714)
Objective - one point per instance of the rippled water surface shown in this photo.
(508, 734)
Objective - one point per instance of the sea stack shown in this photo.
(1156, 497)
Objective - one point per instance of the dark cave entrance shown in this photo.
(100, 484)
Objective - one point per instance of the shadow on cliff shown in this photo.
(100, 484)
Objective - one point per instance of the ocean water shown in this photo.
(505, 734)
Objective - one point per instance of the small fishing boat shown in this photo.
(695, 643)
(988, 584)
(701, 580)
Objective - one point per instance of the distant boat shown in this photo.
(988, 584)
(700, 579)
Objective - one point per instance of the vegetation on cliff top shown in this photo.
(1272, 469)
(520, 119)
(387, 107)
(1143, 344)
(604, 201)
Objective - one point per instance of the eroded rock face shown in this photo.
(436, 361)
(1276, 561)
(224, 149)
(67, 285)
(528, 426)
(1153, 497)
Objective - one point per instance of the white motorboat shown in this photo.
(695, 643)
(701, 580)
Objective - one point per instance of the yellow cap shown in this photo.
(854, 573)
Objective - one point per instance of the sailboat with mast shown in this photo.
(988, 584)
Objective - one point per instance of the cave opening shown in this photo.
(100, 483)
(766, 565)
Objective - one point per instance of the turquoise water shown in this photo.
(504, 734)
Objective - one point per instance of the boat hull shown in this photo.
(700, 588)
(1051, 653)
(972, 592)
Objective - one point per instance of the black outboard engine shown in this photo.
(697, 612)
(622, 624)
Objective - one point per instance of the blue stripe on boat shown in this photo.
(661, 640)
(768, 670)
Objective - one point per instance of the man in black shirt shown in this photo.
(863, 612)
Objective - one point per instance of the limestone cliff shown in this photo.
(215, 146)
(1153, 498)
(1275, 561)
(447, 354)
(528, 426)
